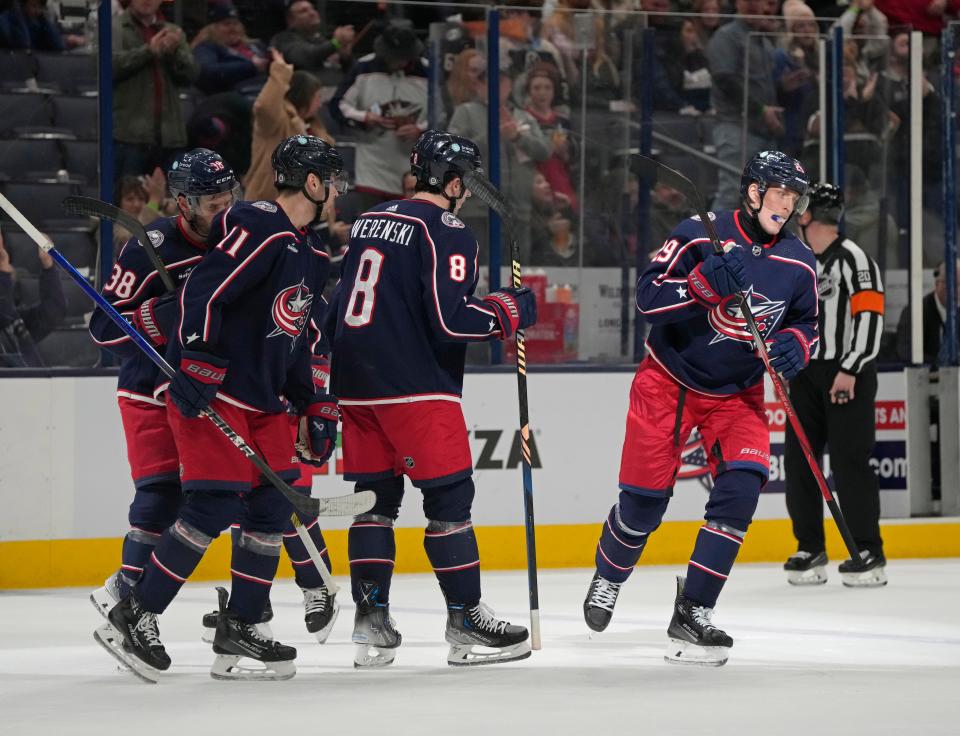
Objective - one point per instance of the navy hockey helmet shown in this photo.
(438, 157)
(826, 203)
(774, 168)
(200, 172)
(295, 158)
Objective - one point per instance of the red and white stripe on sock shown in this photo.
(712, 560)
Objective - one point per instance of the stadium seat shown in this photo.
(78, 303)
(68, 71)
(23, 252)
(83, 158)
(17, 67)
(38, 202)
(71, 348)
(19, 110)
(77, 247)
(79, 114)
(18, 158)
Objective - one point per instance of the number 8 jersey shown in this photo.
(404, 307)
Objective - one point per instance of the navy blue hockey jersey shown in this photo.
(710, 350)
(251, 300)
(131, 283)
(405, 306)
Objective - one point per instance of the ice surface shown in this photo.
(824, 660)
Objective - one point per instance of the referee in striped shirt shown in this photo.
(834, 398)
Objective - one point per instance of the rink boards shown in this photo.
(65, 487)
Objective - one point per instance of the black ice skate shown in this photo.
(374, 630)
(236, 640)
(806, 568)
(693, 638)
(320, 611)
(477, 636)
(132, 636)
(867, 572)
(599, 603)
(210, 624)
(105, 598)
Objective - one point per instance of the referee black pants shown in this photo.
(848, 430)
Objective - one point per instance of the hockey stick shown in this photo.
(95, 208)
(494, 200)
(655, 171)
(76, 205)
(349, 505)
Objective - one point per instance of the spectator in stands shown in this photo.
(385, 99)
(764, 116)
(542, 81)
(708, 20)
(305, 44)
(927, 16)
(151, 63)
(862, 220)
(523, 47)
(287, 106)
(553, 234)
(769, 9)
(934, 321)
(466, 80)
(795, 70)
(228, 60)
(685, 83)
(522, 146)
(28, 24)
(22, 326)
(861, 18)
(144, 197)
(224, 123)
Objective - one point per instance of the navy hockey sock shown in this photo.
(138, 544)
(253, 567)
(174, 559)
(713, 556)
(451, 547)
(620, 546)
(304, 571)
(372, 550)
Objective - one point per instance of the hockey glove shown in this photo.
(788, 354)
(196, 383)
(154, 317)
(516, 309)
(317, 435)
(718, 277)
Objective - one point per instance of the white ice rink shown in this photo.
(825, 660)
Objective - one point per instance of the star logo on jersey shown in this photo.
(291, 308)
(681, 291)
(728, 321)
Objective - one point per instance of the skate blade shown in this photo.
(875, 578)
(813, 576)
(229, 667)
(471, 655)
(102, 601)
(368, 656)
(324, 633)
(111, 640)
(685, 652)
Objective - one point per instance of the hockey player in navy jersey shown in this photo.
(405, 310)
(240, 345)
(702, 371)
(203, 185)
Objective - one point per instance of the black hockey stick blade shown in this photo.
(656, 172)
(489, 195)
(77, 205)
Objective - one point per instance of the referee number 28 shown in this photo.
(363, 297)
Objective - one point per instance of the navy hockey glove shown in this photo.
(718, 277)
(317, 434)
(516, 309)
(154, 318)
(196, 383)
(788, 354)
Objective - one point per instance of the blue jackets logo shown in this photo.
(291, 308)
(728, 321)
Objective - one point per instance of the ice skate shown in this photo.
(599, 603)
(868, 572)
(806, 568)
(131, 636)
(106, 597)
(477, 636)
(320, 611)
(210, 624)
(374, 630)
(236, 641)
(693, 638)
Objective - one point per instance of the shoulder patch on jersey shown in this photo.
(265, 206)
(451, 220)
(156, 238)
(392, 208)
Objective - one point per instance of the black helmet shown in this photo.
(826, 203)
(200, 172)
(301, 155)
(777, 169)
(438, 157)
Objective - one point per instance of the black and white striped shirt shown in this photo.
(851, 306)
